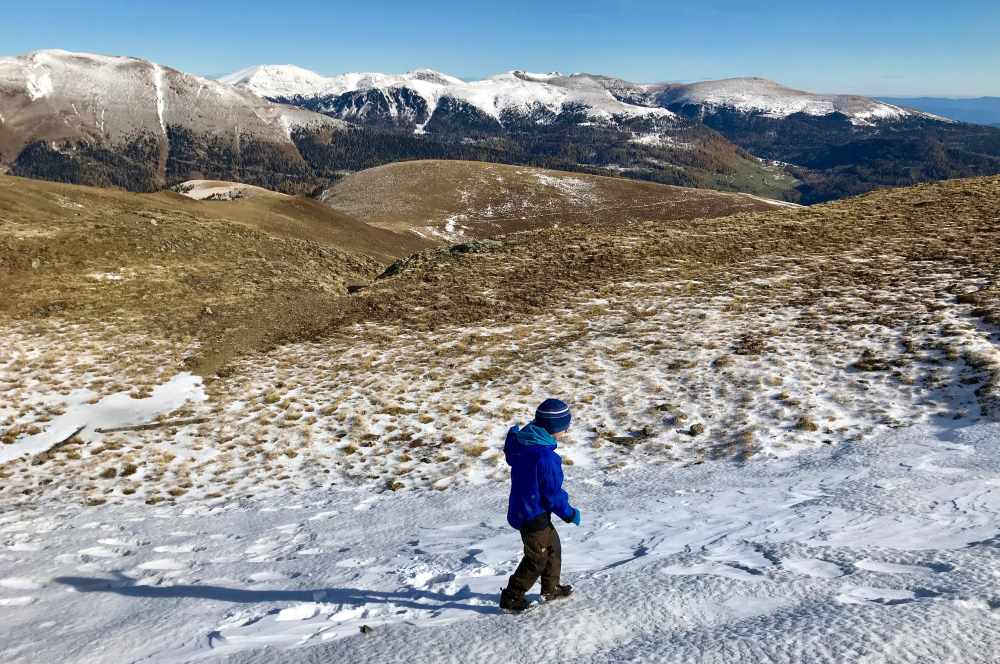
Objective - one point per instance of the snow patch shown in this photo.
(39, 85)
(161, 103)
(112, 411)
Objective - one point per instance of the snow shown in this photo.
(660, 141)
(772, 201)
(116, 410)
(512, 90)
(843, 540)
(220, 190)
(120, 97)
(675, 564)
(160, 102)
(758, 95)
(279, 80)
(39, 85)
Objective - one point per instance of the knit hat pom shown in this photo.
(553, 416)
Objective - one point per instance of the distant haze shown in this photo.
(979, 110)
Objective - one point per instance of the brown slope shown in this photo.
(955, 223)
(172, 266)
(458, 200)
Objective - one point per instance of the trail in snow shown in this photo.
(838, 555)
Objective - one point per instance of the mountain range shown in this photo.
(130, 123)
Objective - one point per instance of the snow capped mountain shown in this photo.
(517, 92)
(132, 123)
(54, 95)
(276, 80)
(773, 100)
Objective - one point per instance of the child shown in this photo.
(535, 494)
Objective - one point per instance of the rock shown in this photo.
(696, 429)
(365, 629)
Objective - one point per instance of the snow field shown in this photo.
(783, 460)
(837, 554)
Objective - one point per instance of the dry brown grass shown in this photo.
(495, 199)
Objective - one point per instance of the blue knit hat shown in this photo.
(553, 416)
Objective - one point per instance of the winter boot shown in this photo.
(512, 601)
(558, 592)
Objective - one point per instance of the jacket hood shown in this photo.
(529, 441)
(532, 434)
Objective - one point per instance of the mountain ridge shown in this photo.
(130, 123)
(73, 116)
(745, 93)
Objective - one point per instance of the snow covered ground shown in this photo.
(785, 460)
(216, 190)
(847, 553)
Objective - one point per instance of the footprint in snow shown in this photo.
(163, 565)
(871, 595)
(102, 552)
(306, 611)
(814, 567)
(881, 567)
(115, 542)
(177, 548)
(18, 601)
(20, 583)
(263, 577)
(714, 569)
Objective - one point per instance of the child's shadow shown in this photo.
(412, 598)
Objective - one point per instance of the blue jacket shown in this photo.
(535, 476)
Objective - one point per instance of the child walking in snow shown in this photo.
(535, 494)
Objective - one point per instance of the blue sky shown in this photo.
(869, 47)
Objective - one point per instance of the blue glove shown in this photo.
(576, 518)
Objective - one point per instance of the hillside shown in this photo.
(837, 145)
(457, 200)
(784, 440)
(269, 266)
(773, 100)
(133, 124)
(130, 123)
(578, 122)
(138, 125)
(812, 147)
(166, 264)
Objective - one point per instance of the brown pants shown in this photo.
(542, 558)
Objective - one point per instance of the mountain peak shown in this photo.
(432, 76)
(275, 80)
(762, 96)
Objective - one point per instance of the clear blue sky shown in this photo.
(875, 47)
